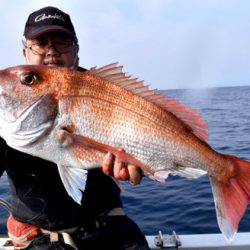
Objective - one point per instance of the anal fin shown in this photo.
(190, 173)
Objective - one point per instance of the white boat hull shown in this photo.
(188, 242)
(207, 242)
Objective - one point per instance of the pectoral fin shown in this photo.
(74, 180)
(84, 156)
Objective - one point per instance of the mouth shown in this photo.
(53, 61)
(54, 65)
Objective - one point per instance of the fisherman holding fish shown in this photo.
(43, 215)
(74, 117)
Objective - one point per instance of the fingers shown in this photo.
(131, 173)
(111, 165)
(118, 167)
(135, 174)
(124, 174)
(107, 164)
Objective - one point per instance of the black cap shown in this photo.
(46, 20)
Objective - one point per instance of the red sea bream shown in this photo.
(75, 118)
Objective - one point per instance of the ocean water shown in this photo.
(187, 206)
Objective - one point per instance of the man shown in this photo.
(41, 206)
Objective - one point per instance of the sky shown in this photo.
(167, 43)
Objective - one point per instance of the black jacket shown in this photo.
(39, 197)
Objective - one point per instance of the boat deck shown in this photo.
(187, 242)
(200, 241)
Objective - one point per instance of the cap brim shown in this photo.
(46, 29)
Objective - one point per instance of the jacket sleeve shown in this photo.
(3, 148)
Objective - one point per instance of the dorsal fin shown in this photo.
(114, 74)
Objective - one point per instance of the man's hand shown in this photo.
(114, 167)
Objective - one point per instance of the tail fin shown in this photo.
(231, 199)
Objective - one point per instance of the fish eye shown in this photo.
(28, 78)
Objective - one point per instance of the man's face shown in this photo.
(52, 49)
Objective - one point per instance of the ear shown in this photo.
(77, 57)
(24, 52)
(77, 61)
(77, 48)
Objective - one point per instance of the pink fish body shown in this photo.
(75, 118)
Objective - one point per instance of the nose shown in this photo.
(51, 51)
